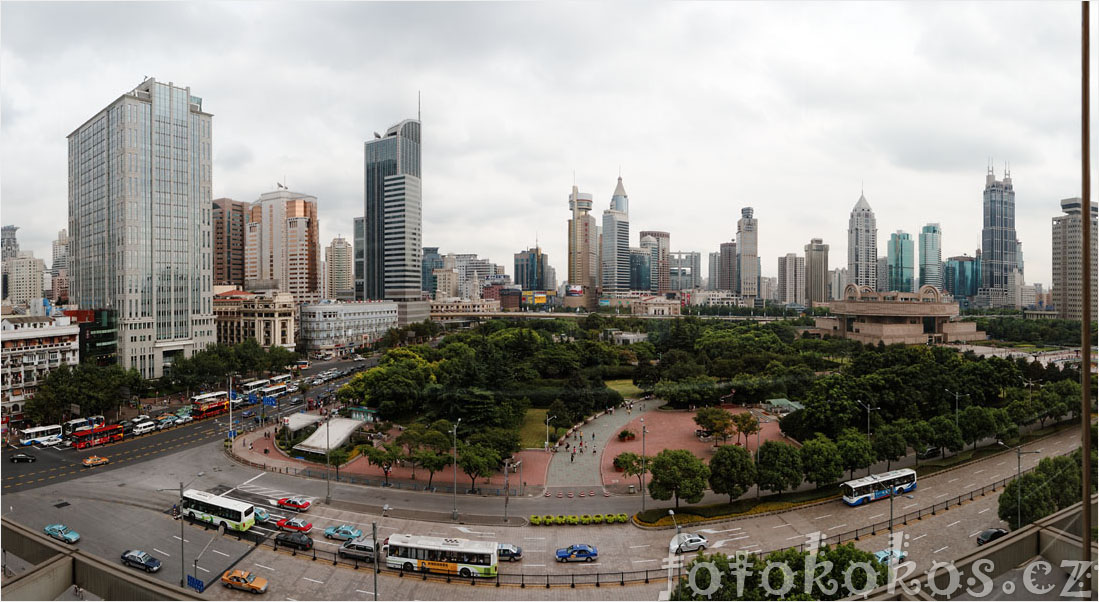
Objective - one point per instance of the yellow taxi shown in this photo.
(244, 580)
(95, 461)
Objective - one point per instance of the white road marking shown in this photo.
(1001, 463)
(820, 517)
(162, 552)
(974, 533)
(979, 471)
(222, 553)
(204, 570)
(919, 537)
(186, 540)
(264, 567)
(970, 485)
(363, 591)
(721, 531)
(644, 546)
(536, 565)
(912, 505)
(837, 527)
(940, 549)
(953, 523)
(469, 531)
(643, 561)
(795, 537)
(534, 538)
(877, 515)
(245, 483)
(313, 580)
(954, 479)
(941, 495)
(983, 511)
(780, 526)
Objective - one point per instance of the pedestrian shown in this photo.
(593, 450)
(593, 436)
(572, 458)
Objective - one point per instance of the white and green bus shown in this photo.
(448, 556)
(218, 510)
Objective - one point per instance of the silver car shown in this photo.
(688, 542)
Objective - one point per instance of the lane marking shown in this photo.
(953, 523)
(909, 506)
(780, 526)
(186, 540)
(877, 516)
(1001, 463)
(534, 538)
(644, 546)
(983, 511)
(941, 495)
(820, 517)
(363, 591)
(954, 479)
(979, 471)
(536, 565)
(940, 549)
(975, 533)
(202, 569)
(794, 537)
(222, 553)
(162, 552)
(919, 537)
(263, 567)
(644, 561)
(970, 486)
(313, 580)
(837, 526)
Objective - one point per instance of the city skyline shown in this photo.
(495, 172)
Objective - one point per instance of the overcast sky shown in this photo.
(790, 108)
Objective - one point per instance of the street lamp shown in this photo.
(182, 566)
(678, 543)
(1018, 477)
(327, 462)
(454, 493)
(957, 396)
(548, 418)
(868, 409)
(644, 429)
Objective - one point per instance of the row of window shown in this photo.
(440, 555)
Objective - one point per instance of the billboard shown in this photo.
(574, 290)
(604, 303)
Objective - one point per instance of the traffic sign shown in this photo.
(252, 398)
(232, 394)
(195, 583)
(270, 401)
(232, 433)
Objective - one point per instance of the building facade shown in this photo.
(862, 245)
(532, 270)
(339, 270)
(962, 278)
(641, 262)
(340, 328)
(791, 280)
(33, 347)
(267, 317)
(1000, 247)
(583, 244)
(919, 318)
(726, 273)
(431, 261)
(393, 228)
(1068, 273)
(713, 266)
(98, 335)
(359, 235)
(747, 254)
(229, 218)
(931, 256)
(9, 242)
(901, 262)
(140, 222)
(60, 257)
(686, 270)
(615, 252)
(837, 281)
(282, 247)
(816, 271)
(662, 265)
(25, 278)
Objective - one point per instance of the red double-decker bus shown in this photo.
(209, 404)
(100, 435)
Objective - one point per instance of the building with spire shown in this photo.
(583, 252)
(931, 256)
(1000, 248)
(747, 254)
(862, 245)
(615, 261)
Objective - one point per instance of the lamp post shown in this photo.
(957, 396)
(507, 466)
(454, 493)
(1018, 478)
(548, 418)
(644, 468)
(374, 529)
(868, 409)
(182, 565)
(678, 542)
(327, 462)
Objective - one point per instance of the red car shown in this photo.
(295, 503)
(294, 524)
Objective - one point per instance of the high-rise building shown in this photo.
(1068, 273)
(532, 270)
(999, 244)
(901, 258)
(714, 269)
(339, 270)
(430, 262)
(862, 245)
(394, 218)
(641, 261)
(816, 271)
(229, 218)
(25, 278)
(837, 281)
(650, 246)
(60, 260)
(768, 288)
(883, 273)
(9, 244)
(962, 277)
(791, 279)
(726, 271)
(686, 270)
(661, 267)
(931, 256)
(139, 222)
(747, 254)
(583, 243)
(359, 236)
(282, 248)
(615, 262)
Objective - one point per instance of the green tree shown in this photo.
(889, 445)
(746, 424)
(778, 466)
(716, 420)
(680, 474)
(976, 423)
(855, 450)
(945, 434)
(1037, 496)
(821, 461)
(732, 471)
(504, 442)
(477, 460)
(383, 457)
(635, 465)
(918, 434)
(432, 461)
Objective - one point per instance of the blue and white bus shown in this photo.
(41, 435)
(253, 387)
(274, 391)
(877, 486)
(280, 379)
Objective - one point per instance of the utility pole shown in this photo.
(374, 528)
(454, 493)
(548, 418)
(1019, 479)
(644, 429)
(956, 397)
(182, 566)
(868, 410)
(327, 461)
(507, 465)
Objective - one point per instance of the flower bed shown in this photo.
(583, 519)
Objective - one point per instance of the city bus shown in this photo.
(68, 428)
(449, 556)
(878, 486)
(301, 364)
(218, 510)
(41, 435)
(253, 386)
(209, 404)
(99, 435)
(280, 379)
(275, 391)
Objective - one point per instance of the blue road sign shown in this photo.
(195, 583)
(232, 394)
(270, 401)
(232, 433)
(252, 398)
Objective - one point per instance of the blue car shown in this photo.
(62, 533)
(577, 553)
(261, 515)
(344, 532)
(890, 556)
(141, 560)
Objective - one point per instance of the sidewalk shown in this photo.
(582, 472)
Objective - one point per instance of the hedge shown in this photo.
(572, 519)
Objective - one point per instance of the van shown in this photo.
(144, 427)
(361, 548)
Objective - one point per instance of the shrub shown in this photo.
(597, 519)
(625, 434)
(574, 520)
(560, 520)
(547, 519)
(535, 519)
(585, 519)
(622, 517)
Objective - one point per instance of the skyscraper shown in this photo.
(999, 243)
(430, 262)
(902, 262)
(229, 218)
(862, 245)
(747, 254)
(641, 261)
(139, 222)
(25, 278)
(583, 243)
(60, 260)
(282, 247)
(532, 270)
(339, 270)
(359, 249)
(616, 243)
(791, 279)
(726, 272)
(816, 271)
(661, 268)
(1068, 273)
(962, 277)
(712, 272)
(394, 223)
(9, 244)
(837, 281)
(931, 256)
(686, 270)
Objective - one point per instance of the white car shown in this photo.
(687, 542)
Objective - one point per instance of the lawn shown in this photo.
(533, 432)
(624, 386)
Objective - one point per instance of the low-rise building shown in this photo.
(267, 317)
(464, 306)
(33, 346)
(892, 317)
(339, 327)
(716, 298)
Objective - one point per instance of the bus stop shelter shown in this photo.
(329, 435)
(296, 422)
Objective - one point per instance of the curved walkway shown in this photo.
(582, 471)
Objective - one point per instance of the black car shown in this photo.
(141, 560)
(22, 457)
(989, 535)
(509, 552)
(929, 453)
(297, 540)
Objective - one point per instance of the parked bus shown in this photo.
(275, 391)
(68, 428)
(280, 379)
(218, 510)
(450, 556)
(878, 486)
(253, 386)
(301, 364)
(99, 435)
(209, 404)
(41, 435)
